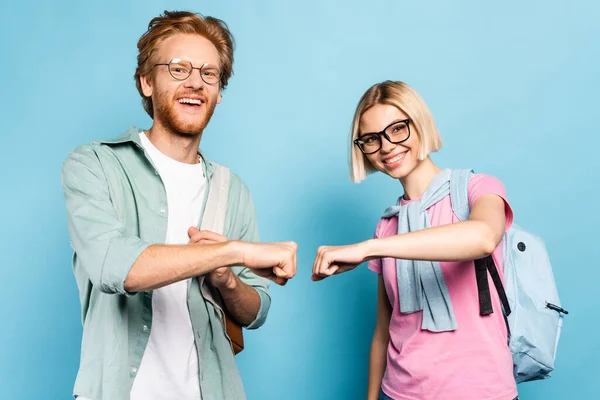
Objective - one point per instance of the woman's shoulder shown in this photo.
(482, 183)
(484, 180)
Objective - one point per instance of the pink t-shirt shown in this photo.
(471, 363)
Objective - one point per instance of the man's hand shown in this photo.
(275, 261)
(332, 260)
(220, 277)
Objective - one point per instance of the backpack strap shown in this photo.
(216, 204)
(459, 192)
(214, 220)
(482, 267)
(459, 197)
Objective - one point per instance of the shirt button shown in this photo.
(145, 328)
(162, 211)
(156, 173)
(134, 370)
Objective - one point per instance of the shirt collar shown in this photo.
(132, 135)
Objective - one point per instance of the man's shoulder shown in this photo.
(239, 196)
(92, 153)
(236, 183)
(82, 155)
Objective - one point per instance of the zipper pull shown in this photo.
(556, 308)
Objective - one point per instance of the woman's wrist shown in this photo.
(370, 249)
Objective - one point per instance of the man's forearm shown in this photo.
(160, 265)
(241, 300)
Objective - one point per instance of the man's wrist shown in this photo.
(235, 251)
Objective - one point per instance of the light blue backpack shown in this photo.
(531, 305)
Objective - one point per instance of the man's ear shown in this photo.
(146, 82)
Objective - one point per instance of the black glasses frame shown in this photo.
(191, 70)
(359, 142)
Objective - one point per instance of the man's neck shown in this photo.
(182, 148)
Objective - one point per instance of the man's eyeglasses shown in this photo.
(396, 132)
(181, 70)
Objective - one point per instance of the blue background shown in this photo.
(512, 86)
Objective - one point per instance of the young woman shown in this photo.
(430, 341)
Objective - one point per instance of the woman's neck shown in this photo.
(417, 181)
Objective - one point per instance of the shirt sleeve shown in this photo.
(249, 233)
(97, 235)
(481, 184)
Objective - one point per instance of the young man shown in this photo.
(152, 286)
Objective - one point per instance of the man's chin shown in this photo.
(185, 124)
(188, 128)
(189, 131)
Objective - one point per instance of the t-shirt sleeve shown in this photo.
(481, 184)
(375, 264)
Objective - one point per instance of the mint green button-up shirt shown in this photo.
(116, 207)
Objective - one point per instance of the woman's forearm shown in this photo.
(466, 240)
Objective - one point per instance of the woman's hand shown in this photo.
(333, 260)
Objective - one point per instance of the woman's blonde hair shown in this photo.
(406, 99)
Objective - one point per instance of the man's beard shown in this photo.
(167, 114)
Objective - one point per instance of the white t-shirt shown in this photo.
(169, 367)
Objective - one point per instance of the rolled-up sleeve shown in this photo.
(97, 235)
(261, 285)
